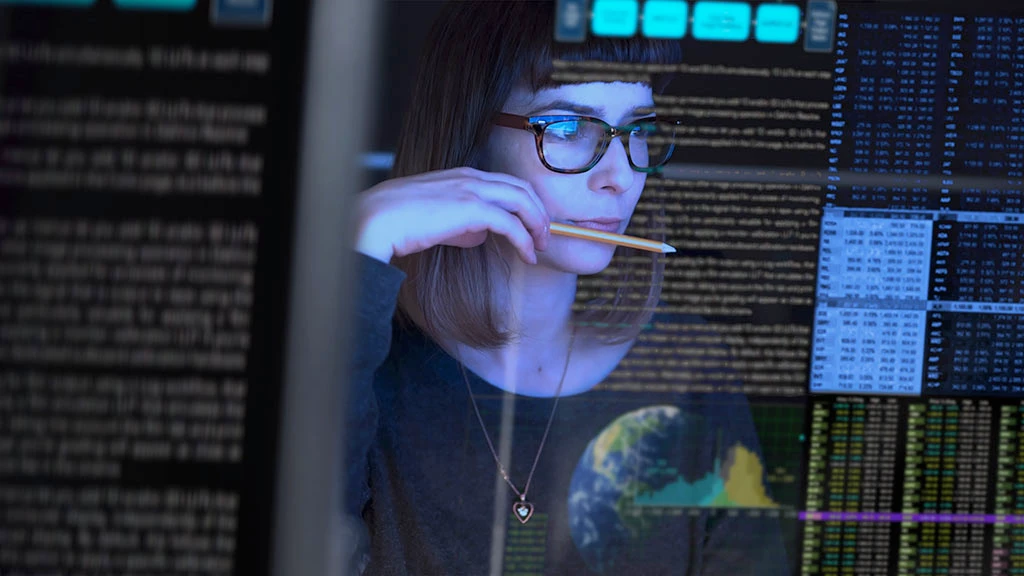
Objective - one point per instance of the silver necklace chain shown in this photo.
(551, 418)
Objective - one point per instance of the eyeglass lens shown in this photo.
(574, 144)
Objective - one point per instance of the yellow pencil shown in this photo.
(610, 238)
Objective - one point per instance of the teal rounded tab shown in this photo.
(665, 18)
(162, 5)
(615, 18)
(723, 21)
(777, 23)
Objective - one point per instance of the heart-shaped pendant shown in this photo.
(523, 510)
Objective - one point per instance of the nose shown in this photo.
(613, 171)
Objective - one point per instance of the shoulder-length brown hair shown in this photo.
(476, 51)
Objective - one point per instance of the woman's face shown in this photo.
(608, 190)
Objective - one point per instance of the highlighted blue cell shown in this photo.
(722, 21)
(64, 3)
(161, 5)
(615, 18)
(777, 23)
(665, 18)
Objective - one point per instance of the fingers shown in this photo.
(492, 201)
(513, 181)
(516, 196)
(500, 221)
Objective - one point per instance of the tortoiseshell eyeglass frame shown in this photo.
(537, 125)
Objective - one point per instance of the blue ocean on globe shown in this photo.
(625, 460)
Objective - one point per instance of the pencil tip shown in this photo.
(668, 249)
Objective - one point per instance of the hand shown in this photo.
(456, 207)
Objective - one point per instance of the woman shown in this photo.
(478, 442)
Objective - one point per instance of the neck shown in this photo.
(536, 303)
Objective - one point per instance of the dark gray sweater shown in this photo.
(618, 489)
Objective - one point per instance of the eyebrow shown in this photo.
(584, 110)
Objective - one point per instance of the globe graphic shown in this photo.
(626, 460)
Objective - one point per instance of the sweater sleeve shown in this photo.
(370, 333)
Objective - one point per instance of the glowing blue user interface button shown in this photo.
(665, 18)
(725, 21)
(777, 23)
(615, 18)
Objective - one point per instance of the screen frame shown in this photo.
(309, 537)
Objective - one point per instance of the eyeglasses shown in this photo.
(575, 144)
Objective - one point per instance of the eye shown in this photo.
(644, 127)
(565, 130)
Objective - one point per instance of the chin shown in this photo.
(580, 257)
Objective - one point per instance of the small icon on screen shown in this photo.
(157, 5)
(240, 12)
(821, 22)
(572, 21)
(572, 15)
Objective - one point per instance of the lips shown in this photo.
(603, 224)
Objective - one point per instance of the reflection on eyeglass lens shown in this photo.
(575, 144)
